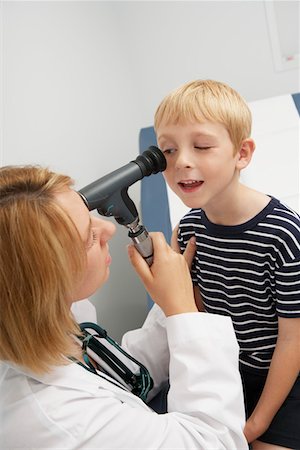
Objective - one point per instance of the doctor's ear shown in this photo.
(245, 153)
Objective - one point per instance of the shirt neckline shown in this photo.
(238, 229)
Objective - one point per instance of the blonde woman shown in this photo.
(52, 395)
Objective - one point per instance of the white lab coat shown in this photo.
(71, 408)
(84, 311)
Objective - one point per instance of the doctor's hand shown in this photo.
(189, 254)
(190, 249)
(168, 280)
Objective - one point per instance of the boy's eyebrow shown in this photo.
(205, 134)
(197, 134)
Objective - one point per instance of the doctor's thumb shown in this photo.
(190, 250)
(139, 264)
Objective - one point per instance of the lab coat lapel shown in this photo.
(73, 376)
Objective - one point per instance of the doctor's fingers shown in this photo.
(174, 240)
(165, 260)
(160, 247)
(172, 287)
(190, 249)
(138, 263)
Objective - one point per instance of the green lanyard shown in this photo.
(139, 384)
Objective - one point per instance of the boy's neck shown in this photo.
(242, 206)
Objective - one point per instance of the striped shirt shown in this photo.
(250, 272)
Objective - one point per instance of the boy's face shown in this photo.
(201, 165)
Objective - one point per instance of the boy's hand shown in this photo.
(168, 280)
(190, 249)
(253, 429)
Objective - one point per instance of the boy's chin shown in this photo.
(192, 204)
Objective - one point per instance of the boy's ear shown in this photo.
(245, 153)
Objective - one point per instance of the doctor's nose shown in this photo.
(106, 228)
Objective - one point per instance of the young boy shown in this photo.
(247, 262)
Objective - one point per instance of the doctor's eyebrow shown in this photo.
(88, 233)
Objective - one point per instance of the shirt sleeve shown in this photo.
(149, 345)
(288, 289)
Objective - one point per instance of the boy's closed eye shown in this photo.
(202, 147)
(206, 144)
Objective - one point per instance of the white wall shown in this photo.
(79, 80)
(69, 104)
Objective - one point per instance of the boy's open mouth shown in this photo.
(190, 185)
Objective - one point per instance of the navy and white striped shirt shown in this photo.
(250, 272)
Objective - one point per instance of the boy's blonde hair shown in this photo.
(41, 259)
(201, 100)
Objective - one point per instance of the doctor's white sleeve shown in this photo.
(149, 345)
(199, 354)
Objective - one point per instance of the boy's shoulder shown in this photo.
(276, 217)
(285, 214)
(193, 216)
(194, 212)
(190, 224)
(282, 226)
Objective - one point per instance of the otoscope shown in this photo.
(110, 197)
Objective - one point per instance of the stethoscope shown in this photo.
(138, 383)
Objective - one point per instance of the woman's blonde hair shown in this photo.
(201, 100)
(42, 258)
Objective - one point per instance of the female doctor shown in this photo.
(52, 393)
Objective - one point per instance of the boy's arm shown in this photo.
(284, 369)
(198, 299)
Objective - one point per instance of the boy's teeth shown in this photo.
(189, 182)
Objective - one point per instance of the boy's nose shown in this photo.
(183, 159)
